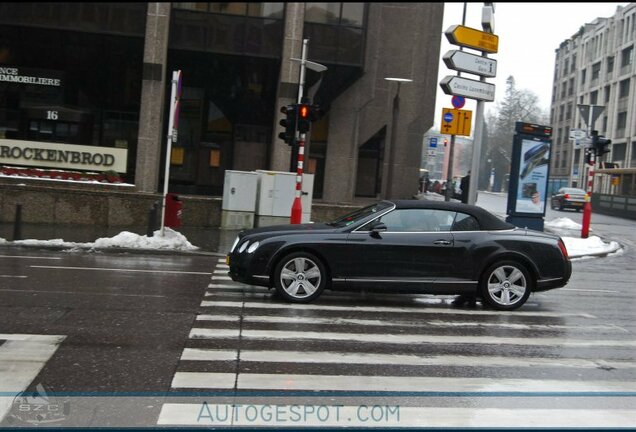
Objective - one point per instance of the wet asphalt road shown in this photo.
(145, 339)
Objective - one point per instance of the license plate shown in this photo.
(577, 204)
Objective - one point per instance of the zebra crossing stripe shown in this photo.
(206, 380)
(417, 323)
(202, 354)
(383, 415)
(22, 357)
(209, 333)
(217, 277)
(411, 384)
(415, 309)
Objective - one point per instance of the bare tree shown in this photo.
(517, 105)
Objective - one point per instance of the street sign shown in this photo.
(432, 142)
(577, 134)
(459, 86)
(585, 113)
(471, 63)
(472, 38)
(456, 122)
(458, 102)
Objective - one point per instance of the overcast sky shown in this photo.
(529, 34)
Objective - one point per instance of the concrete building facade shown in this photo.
(113, 63)
(596, 67)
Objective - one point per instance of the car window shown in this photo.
(359, 214)
(464, 222)
(416, 220)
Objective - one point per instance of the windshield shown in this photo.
(359, 214)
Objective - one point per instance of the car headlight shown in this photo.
(243, 246)
(234, 244)
(253, 247)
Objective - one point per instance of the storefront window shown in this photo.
(229, 8)
(266, 10)
(352, 14)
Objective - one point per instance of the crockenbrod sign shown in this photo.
(55, 155)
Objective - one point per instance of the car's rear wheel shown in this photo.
(300, 277)
(506, 285)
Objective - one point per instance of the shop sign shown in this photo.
(55, 155)
(29, 76)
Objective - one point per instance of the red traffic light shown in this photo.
(303, 112)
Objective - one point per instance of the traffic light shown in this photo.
(600, 144)
(304, 117)
(289, 123)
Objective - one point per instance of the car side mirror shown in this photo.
(377, 228)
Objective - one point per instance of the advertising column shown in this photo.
(529, 175)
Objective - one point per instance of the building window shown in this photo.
(604, 123)
(627, 56)
(573, 67)
(594, 97)
(583, 74)
(621, 123)
(561, 109)
(607, 93)
(568, 115)
(610, 65)
(571, 87)
(323, 13)
(633, 161)
(623, 89)
(618, 152)
(596, 70)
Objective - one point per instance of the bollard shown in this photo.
(152, 220)
(17, 223)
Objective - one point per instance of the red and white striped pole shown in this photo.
(587, 208)
(297, 206)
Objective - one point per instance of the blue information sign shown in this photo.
(448, 117)
(432, 142)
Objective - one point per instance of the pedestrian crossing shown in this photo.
(397, 361)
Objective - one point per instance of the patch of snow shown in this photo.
(172, 240)
(593, 245)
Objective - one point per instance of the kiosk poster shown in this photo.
(533, 176)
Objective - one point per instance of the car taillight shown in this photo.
(564, 250)
(566, 196)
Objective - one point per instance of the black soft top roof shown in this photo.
(487, 221)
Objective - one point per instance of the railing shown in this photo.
(614, 205)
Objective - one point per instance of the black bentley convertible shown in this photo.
(411, 246)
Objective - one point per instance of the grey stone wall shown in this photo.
(403, 41)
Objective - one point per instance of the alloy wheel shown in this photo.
(300, 277)
(507, 285)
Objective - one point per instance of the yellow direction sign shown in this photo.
(456, 122)
(472, 38)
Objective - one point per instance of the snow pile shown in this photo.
(172, 240)
(563, 223)
(593, 245)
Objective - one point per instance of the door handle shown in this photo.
(442, 242)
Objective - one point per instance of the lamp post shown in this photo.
(394, 122)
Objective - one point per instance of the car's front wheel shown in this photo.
(300, 277)
(506, 285)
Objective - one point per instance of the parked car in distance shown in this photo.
(568, 198)
(415, 246)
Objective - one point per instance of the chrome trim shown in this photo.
(260, 277)
(379, 216)
(549, 280)
(457, 282)
(391, 280)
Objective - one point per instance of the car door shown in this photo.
(412, 252)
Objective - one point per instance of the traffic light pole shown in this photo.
(297, 207)
(587, 207)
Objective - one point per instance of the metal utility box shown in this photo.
(239, 199)
(276, 194)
